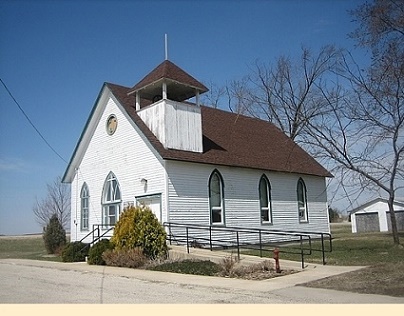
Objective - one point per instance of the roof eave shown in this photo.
(135, 89)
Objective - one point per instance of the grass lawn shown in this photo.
(384, 279)
(361, 249)
(25, 247)
(385, 272)
(348, 249)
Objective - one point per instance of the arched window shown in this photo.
(84, 214)
(265, 200)
(111, 201)
(216, 200)
(302, 201)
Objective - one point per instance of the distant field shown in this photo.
(20, 236)
(25, 247)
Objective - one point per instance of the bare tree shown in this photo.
(381, 26)
(364, 136)
(364, 133)
(56, 202)
(214, 95)
(287, 94)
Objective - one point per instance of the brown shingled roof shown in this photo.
(233, 140)
(169, 70)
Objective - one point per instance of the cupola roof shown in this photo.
(180, 85)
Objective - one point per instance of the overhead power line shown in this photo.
(30, 122)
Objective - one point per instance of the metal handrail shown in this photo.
(299, 237)
(96, 227)
(111, 227)
(92, 232)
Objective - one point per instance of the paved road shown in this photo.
(29, 281)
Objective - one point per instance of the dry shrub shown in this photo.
(231, 267)
(228, 265)
(128, 258)
(262, 267)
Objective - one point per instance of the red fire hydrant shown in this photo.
(276, 257)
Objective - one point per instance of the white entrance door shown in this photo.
(153, 202)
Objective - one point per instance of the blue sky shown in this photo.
(55, 56)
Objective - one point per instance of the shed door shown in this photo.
(153, 202)
(399, 220)
(368, 222)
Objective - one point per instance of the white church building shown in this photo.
(190, 163)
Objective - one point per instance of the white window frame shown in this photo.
(267, 206)
(216, 208)
(111, 200)
(303, 212)
(84, 208)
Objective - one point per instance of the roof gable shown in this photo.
(375, 201)
(96, 112)
(86, 134)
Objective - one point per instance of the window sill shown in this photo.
(267, 223)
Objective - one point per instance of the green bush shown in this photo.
(75, 252)
(128, 258)
(54, 235)
(189, 266)
(139, 227)
(96, 251)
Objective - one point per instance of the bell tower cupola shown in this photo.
(161, 103)
(167, 81)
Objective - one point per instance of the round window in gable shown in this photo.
(111, 124)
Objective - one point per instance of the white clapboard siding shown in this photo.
(189, 203)
(176, 125)
(128, 155)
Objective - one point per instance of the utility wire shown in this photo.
(32, 124)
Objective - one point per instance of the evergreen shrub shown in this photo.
(75, 251)
(96, 251)
(54, 235)
(139, 227)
